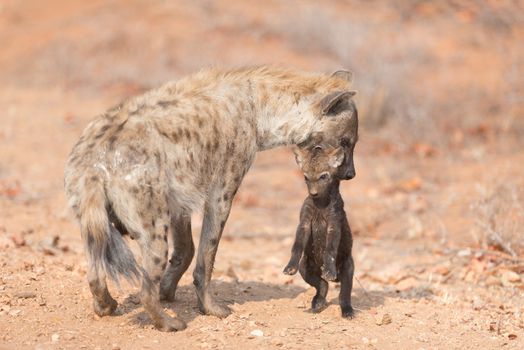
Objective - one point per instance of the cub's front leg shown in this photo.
(301, 238)
(298, 248)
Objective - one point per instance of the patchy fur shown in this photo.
(142, 167)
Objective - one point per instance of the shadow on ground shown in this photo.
(229, 293)
(240, 292)
(363, 299)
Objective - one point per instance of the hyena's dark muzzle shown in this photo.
(347, 168)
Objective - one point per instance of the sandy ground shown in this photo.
(426, 276)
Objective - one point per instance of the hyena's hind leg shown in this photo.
(154, 259)
(183, 252)
(103, 302)
(96, 232)
(144, 213)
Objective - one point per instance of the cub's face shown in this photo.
(320, 167)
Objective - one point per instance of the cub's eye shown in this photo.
(306, 178)
(323, 177)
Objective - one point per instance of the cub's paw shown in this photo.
(329, 273)
(347, 311)
(318, 304)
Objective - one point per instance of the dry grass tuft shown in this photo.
(500, 218)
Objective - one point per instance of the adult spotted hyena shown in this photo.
(141, 168)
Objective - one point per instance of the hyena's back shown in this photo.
(153, 156)
(143, 167)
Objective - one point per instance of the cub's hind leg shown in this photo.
(311, 274)
(346, 285)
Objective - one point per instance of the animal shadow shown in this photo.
(363, 299)
(186, 304)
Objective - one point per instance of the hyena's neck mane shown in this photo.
(287, 103)
(283, 103)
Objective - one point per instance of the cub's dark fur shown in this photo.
(323, 242)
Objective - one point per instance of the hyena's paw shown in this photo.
(329, 272)
(167, 294)
(215, 309)
(291, 269)
(105, 309)
(170, 324)
(347, 311)
(318, 304)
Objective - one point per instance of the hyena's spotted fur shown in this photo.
(143, 167)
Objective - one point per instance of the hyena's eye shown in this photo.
(306, 178)
(323, 177)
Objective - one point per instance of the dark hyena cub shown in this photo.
(323, 234)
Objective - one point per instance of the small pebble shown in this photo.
(257, 333)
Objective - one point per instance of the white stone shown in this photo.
(257, 333)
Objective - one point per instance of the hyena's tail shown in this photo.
(106, 248)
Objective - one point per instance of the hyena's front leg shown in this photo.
(183, 252)
(215, 215)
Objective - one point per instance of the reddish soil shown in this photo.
(436, 207)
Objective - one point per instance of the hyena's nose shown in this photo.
(350, 174)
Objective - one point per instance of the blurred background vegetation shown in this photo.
(441, 93)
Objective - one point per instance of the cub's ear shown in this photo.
(336, 158)
(344, 74)
(330, 103)
(299, 156)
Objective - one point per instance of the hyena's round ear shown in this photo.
(299, 156)
(336, 157)
(329, 103)
(344, 74)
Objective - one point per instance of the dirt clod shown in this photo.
(509, 277)
(25, 295)
(383, 319)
